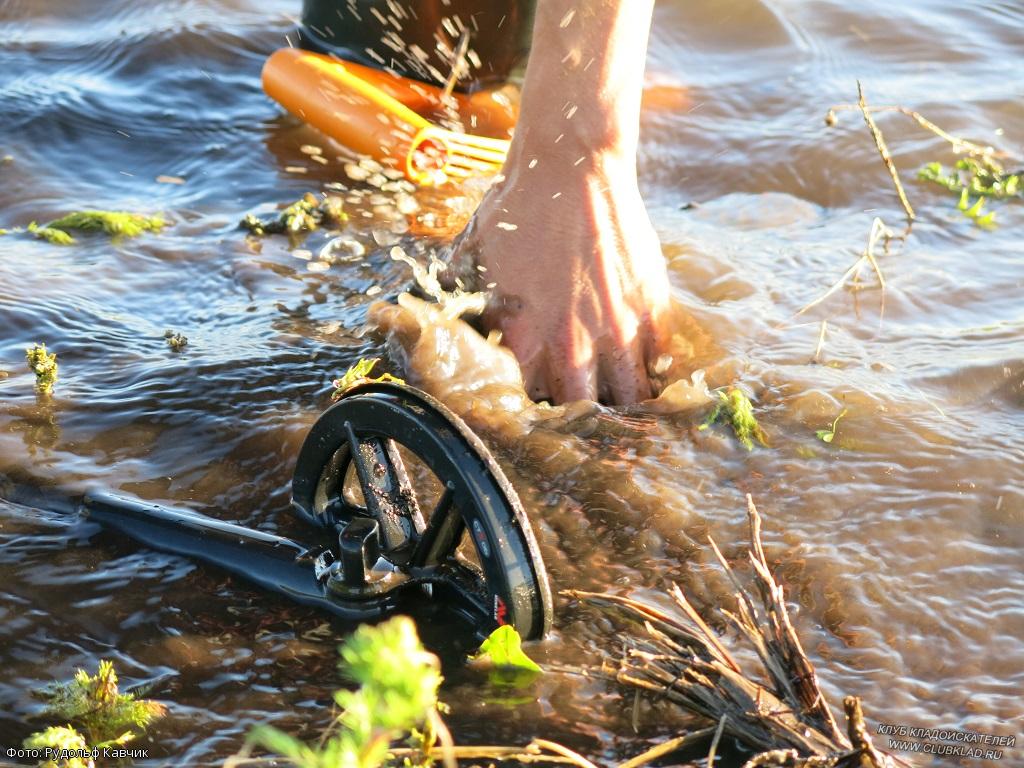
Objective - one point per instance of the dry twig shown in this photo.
(959, 144)
(879, 233)
(883, 150)
(777, 709)
(667, 747)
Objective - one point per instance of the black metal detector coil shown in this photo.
(408, 507)
(412, 499)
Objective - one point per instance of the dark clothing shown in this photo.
(416, 38)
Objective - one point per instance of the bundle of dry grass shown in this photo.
(777, 710)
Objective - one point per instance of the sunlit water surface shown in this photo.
(899, 543)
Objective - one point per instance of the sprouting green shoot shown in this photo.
(44, 365)
(50, 234)
(396, 698)
(359, 373)
(102, 716)
(736, 407)
(828, 435)
(304, 215)
(61, 739)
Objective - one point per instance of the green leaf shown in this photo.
(504, 649)
(828, 435)
(988, 221)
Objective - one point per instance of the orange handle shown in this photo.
(324, 93)
(488, 112)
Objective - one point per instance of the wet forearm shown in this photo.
(585, 76)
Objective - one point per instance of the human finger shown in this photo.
(569, 380)
(623, 375)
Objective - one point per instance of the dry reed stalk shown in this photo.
(821, 341)
(883, 150)
(667, 747)
(879, 232)
(777, 709)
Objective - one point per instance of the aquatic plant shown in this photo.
(66, 741)
(50, 234)
(44, 365)
(973, 211)
(396, 699)
(359, 373)
(735, 407)
(114, 223)
(304, 215)
(97, 714)
(509, 666)
(978, 174)
(982, 176)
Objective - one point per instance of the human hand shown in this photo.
(580, 283)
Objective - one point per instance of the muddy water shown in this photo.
(899, 542)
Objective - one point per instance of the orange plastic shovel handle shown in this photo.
(326, 94)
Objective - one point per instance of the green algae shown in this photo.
(44, 365)
(114, 223)
(358, 373)
(736, 408)
(50, 234)
(304, 215)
